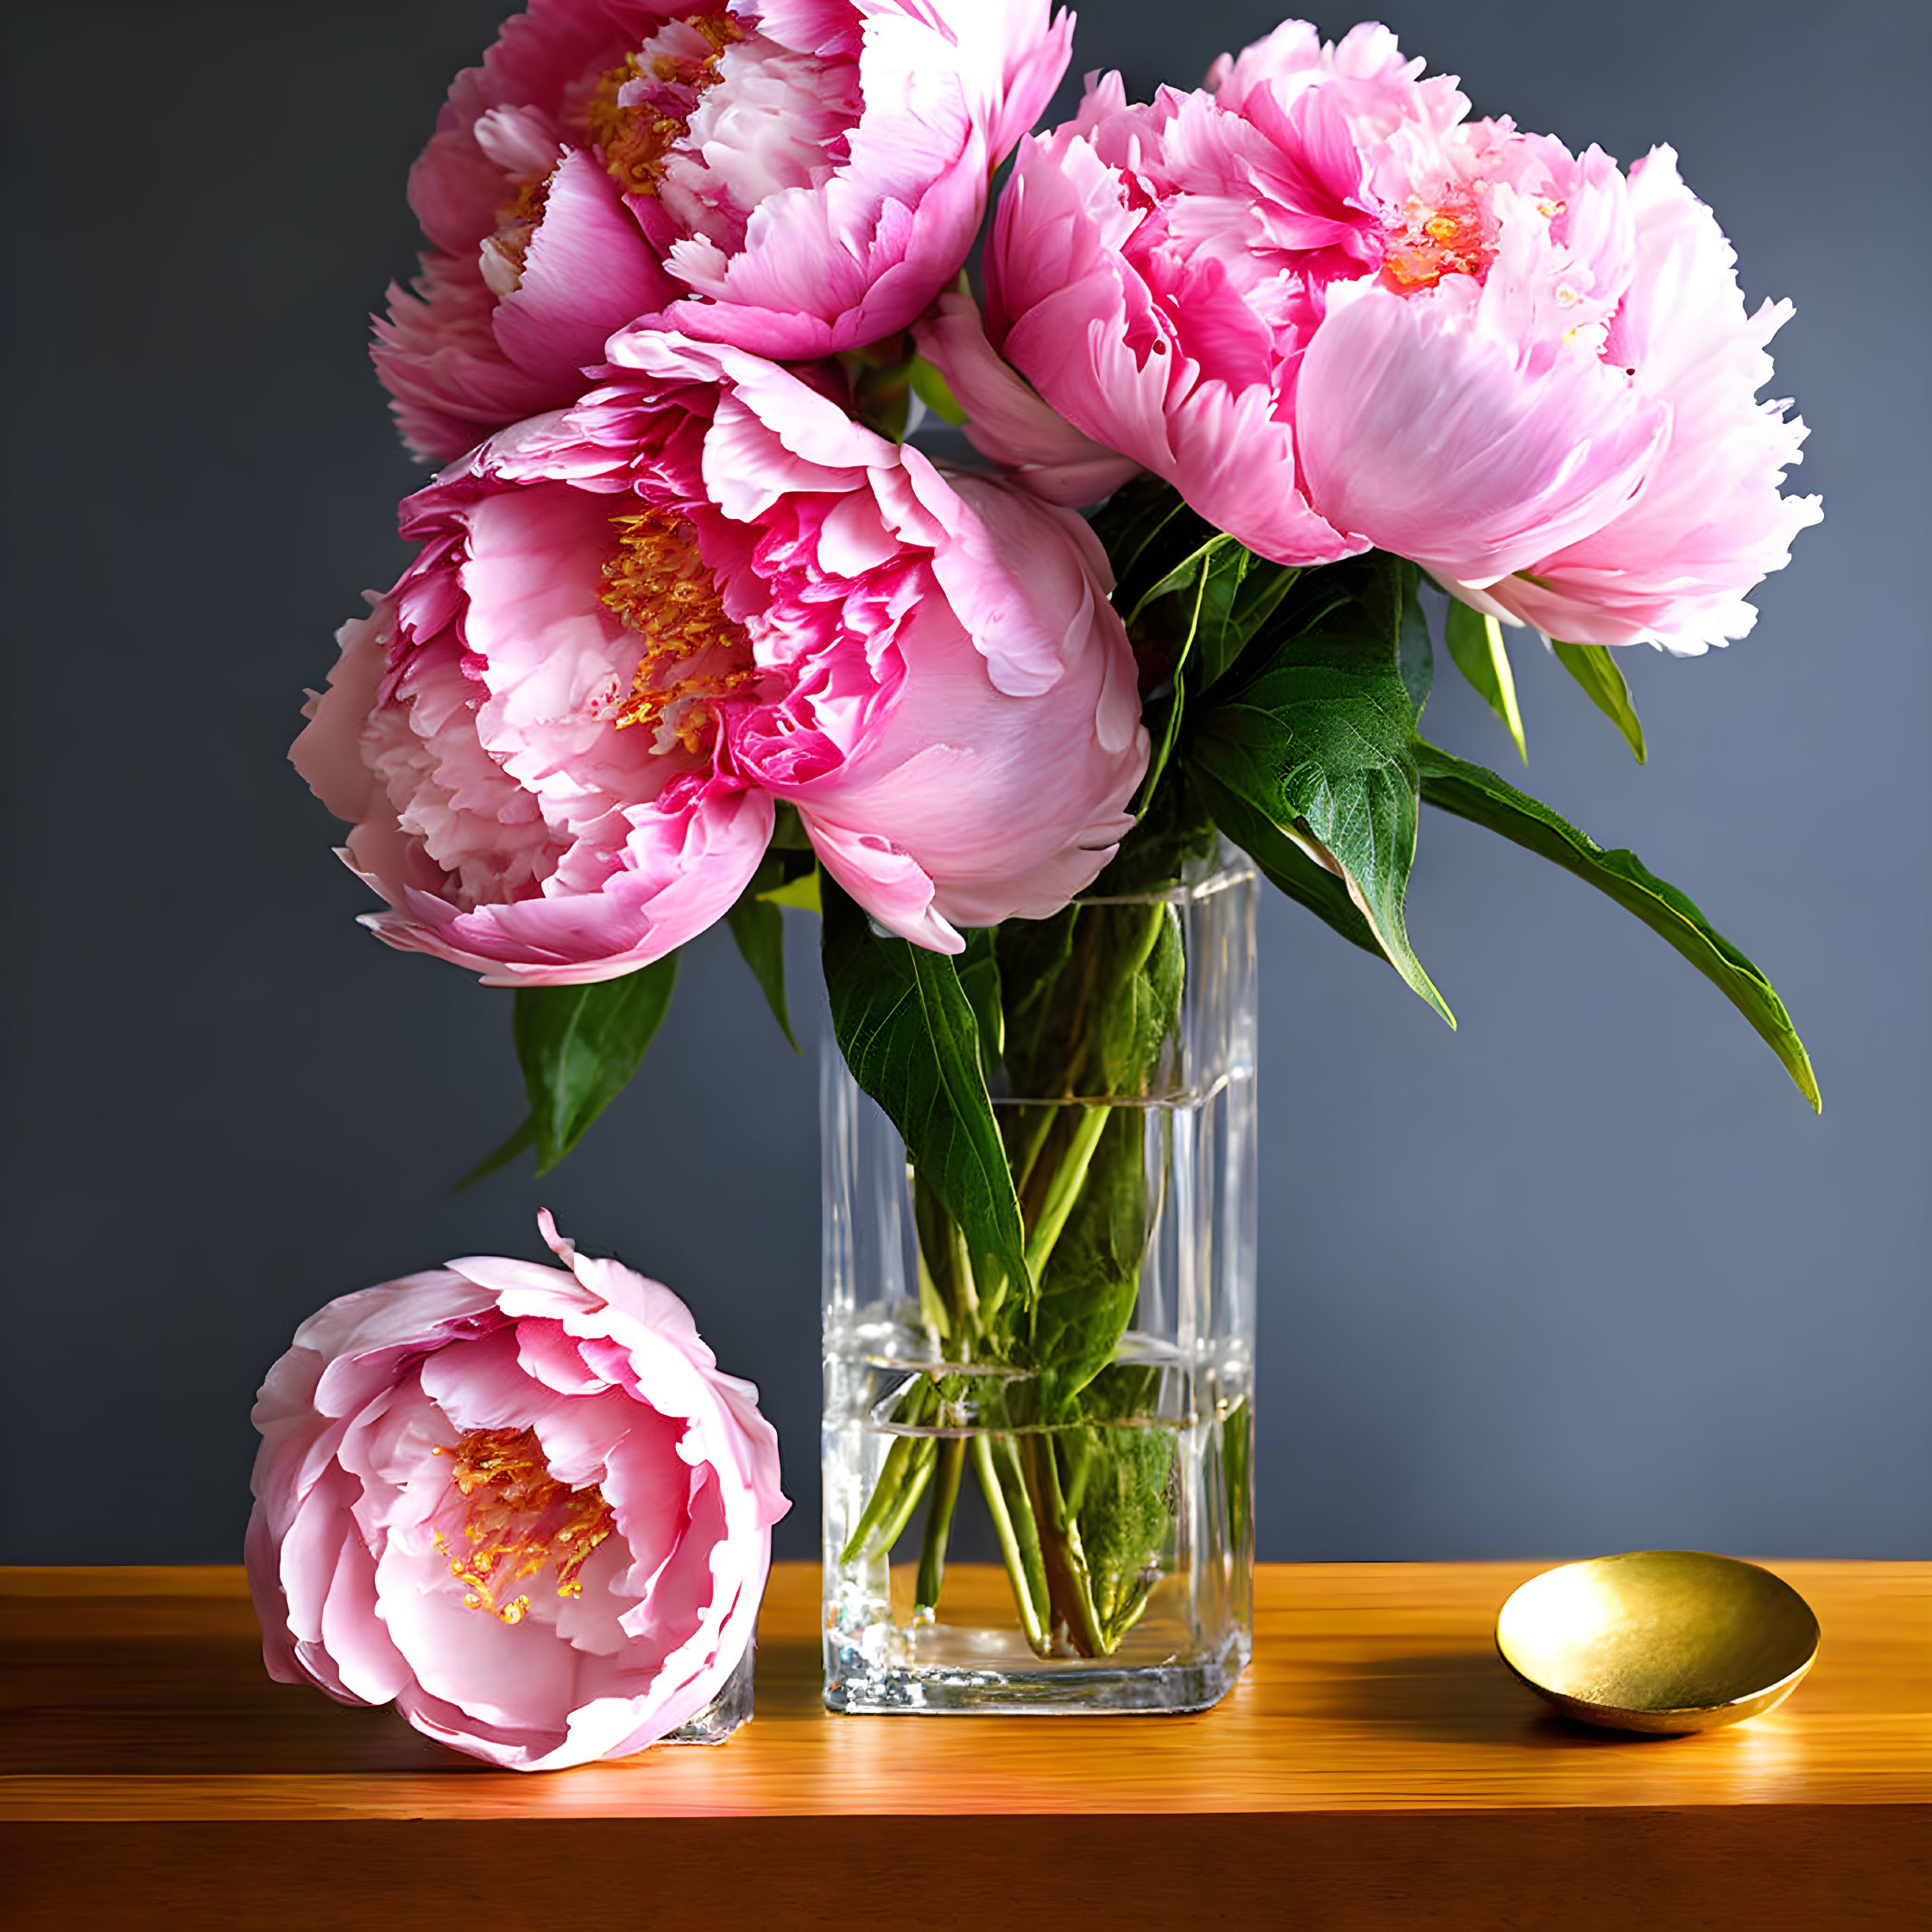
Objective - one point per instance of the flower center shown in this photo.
(516, 1517)
(675, 67)
(694, 655)
(1441, 236)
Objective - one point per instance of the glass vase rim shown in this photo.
(1231, 867)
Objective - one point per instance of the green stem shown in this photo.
(935, 1305)
(902, 1480)
(1070, 1584)
(1013, 1522)
(975, 1311)
(1064, 1192)
(1039, 1124)
(938, 1524)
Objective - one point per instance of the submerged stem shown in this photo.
(902, 1480)
(938, 1524)
(1070, 1583)
(1000, 1482)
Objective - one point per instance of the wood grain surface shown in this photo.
(1377, 1765)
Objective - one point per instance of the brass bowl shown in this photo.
(1667, 1641)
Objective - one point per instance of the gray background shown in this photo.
(1586, 1276)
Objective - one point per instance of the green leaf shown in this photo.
(1147, 530)
(1263, 589)
(1471, 792)
(1143, 1009)
(1201, 616)
(1220, 560)
(1596, 670)
(1087, 1200)
(579, 1044)
(1090, 1283)
(1476, 643)
(978, 968)
(1034, 956)
(1381, 587)
(788, 829)
(1415, 654)
(1239, 592)
(933, 390)
(1221, 596)
(1318, 733)
(1192, 599)
(1200, 590)
(759, 927)
(801, 892)
(1288, 864)
(907, 1032)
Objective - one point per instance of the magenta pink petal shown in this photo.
(587, 272)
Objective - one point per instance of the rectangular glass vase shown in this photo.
(1108, 1471)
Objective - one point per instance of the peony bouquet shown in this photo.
(702, 627)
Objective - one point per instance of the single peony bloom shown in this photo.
(1336, 313)
(527, 731)
(636, 625)
(519, 1500)
(797, 176)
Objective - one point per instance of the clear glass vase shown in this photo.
(1092, 1437)
(726, 1713)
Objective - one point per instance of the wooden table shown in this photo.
(1376, 1767)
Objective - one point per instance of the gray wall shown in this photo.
(1585, 1276)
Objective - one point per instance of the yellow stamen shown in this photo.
(636, 141)
(694, 655)
(528, 202)
(516, 1517)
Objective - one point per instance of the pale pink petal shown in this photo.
(1672, 569)
(887, 882)
(350, 1566)
(1436, 443)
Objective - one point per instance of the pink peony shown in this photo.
(527, 734)
(957, 719)
(519, 1500)
(1335, 313)
(797, 176)
(1673, 568)
(783, 605)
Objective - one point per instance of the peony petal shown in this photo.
(587, 272)
(1437, 443)
(888, 883)
(1007, 420)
